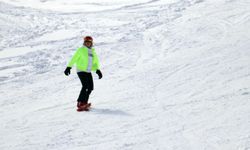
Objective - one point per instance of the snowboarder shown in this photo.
(86, 60)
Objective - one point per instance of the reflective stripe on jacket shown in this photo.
(80, 58)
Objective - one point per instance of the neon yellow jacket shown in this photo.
(80, 58)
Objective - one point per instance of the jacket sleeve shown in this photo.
(96, 62)
(74, 58)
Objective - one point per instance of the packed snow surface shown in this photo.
(176, 75)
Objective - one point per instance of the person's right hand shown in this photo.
(67, 71)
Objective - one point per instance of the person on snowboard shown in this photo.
(86, 60)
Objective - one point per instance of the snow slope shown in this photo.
(176, 75)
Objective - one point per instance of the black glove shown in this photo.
(67, 71)
(99, 73)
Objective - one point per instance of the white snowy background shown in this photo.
(176, 75)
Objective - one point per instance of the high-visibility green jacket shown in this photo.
(80, 58)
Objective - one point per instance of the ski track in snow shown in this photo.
(176, 75)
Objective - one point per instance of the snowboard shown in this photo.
(84, 108)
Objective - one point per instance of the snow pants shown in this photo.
(87, 86)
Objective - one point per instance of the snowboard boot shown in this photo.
(80, 104)
(84, 107)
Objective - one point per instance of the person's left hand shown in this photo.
(99, 73)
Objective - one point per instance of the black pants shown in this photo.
(87, 86)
